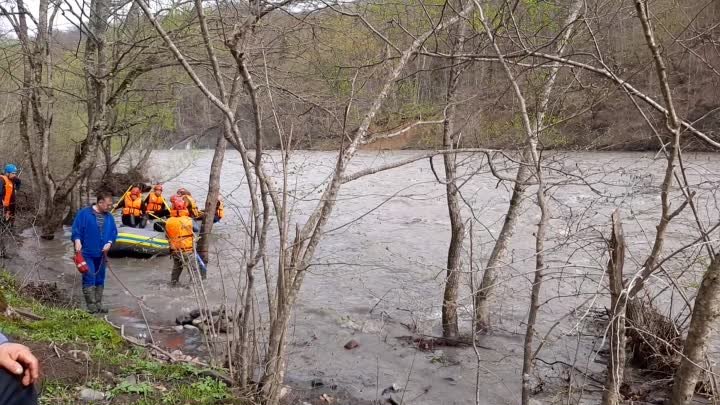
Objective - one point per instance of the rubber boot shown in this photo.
(98, 299)
(89, 294)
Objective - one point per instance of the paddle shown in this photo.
(201, 263)
(157, 217)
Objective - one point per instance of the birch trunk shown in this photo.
(203, 246)
(499, 251)
(457, 226)
(703, 323)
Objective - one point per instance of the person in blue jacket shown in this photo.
(93, 232)
(19, 370)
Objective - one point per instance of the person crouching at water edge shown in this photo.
(93, 232)
(132, 213)
(180, 231)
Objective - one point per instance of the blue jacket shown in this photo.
(86, 229)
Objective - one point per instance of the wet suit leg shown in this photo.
(179, 260)
(127, 220)
(12, 392)
(131, 221)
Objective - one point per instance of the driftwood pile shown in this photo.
(654, 340)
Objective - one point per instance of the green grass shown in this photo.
(156, 382)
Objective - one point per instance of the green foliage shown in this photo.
(134, 363)
(59, 325)
(143, 388)
(158, 382)
(542, 14)
(207, 391)
(56, 393)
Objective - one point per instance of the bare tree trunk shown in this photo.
(211, 200)
(457, 226)
(618, 308)
(528, 352)
(96, 84)
(706, 312)
(673, 125)
(37, 98)
(487, 285)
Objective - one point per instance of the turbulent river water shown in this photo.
(380, 267)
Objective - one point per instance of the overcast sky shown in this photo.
(63, 21)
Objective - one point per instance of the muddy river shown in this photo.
(380, 268)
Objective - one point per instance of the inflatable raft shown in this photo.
(140, 242)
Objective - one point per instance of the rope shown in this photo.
(139, 300)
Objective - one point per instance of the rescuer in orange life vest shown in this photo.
(8, 191)
(219, 210)
(155, 204)
(131, 204)
(180, 231)
(192, 207)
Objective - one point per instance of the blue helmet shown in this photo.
(10, 168)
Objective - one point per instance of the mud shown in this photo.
(47, 293)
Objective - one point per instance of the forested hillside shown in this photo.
(317, 60)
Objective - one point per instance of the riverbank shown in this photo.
(85, 359)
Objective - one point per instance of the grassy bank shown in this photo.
(80, 352)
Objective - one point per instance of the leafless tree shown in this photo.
(451, 139)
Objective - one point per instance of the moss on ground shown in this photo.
(77, 350)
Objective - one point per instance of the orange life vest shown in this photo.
(9, 191)
(179, 213)
(155, 203)
(180, 234)
(192, 207)
(132, 207)
(220, 210)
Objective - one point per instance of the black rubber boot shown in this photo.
(98, 300)
(89, 294)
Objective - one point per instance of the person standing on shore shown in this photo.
(8, 191)
(93, 232)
